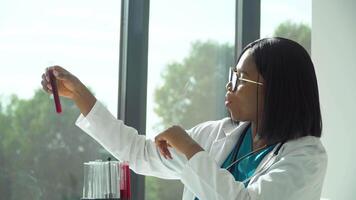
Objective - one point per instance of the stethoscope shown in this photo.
(238, 145)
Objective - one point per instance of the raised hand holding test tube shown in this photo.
(67, 85)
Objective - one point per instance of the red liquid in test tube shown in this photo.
(53, 83)
(125, 190)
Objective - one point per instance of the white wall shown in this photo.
(334, 56)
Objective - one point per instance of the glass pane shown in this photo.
(287, 18)
(191, 47)
(41, 152)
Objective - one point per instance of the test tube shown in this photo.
(125, 190)
(53, 83)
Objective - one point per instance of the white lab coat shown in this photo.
(296, 173)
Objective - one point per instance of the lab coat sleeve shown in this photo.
(290, 178)
(124, 143)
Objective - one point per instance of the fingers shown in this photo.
(57, 68)
(45, 77)
(59, 72)
(163, 148)
(172, 137)
(46, 86)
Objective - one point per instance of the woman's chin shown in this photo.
(236, 117)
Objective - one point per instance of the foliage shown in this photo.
(41, 152)
(300, 33)
(194, 90)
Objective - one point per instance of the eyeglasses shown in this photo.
(236, 80)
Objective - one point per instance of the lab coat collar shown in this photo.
(295, 145)
(226, 139)
(230, 129)
(229, 134)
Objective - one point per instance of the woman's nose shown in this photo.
(228, 86)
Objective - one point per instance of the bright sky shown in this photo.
(83, 36)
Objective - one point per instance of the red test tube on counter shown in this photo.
(125, 190)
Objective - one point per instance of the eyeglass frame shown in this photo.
(238, 79)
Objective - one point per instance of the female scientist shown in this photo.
(274, 153)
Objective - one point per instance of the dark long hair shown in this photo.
(291, 103)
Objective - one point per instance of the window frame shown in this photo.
(133, 66)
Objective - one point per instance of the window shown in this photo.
(289, 19)
(191, 47)
(42, 153)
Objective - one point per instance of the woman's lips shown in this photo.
(227, 97)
